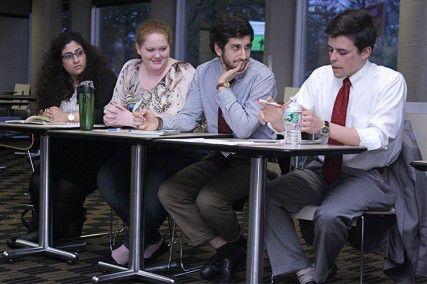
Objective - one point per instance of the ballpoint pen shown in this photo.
(273, 103)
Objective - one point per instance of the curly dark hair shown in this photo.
(229, 26)
(355, 24)
(54, 84)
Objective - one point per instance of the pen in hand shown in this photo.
(273, 103)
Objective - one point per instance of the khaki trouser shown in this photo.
(200, 198)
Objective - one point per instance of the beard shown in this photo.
(231, 65)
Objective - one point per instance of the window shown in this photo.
(320, 12)
(201, 14)
(66, 19)
(115, 34)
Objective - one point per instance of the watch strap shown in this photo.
(223, 84)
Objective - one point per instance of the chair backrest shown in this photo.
(21, 90)
(306, 213)
(418, 121)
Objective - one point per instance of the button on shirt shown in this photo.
(238, 104)
(375, 110)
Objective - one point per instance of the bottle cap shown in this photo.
(85, 87)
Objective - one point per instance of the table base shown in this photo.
(126, 274)
(34, 248)
(43, 247)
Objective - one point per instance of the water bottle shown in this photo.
(85, 93)
(292, 118)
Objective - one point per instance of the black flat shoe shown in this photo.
(107, 258)
(164, 247)
(147, 261)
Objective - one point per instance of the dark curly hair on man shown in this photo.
(229, 26)
(54, 84)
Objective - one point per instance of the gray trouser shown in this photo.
(200, 199)
(355, 192)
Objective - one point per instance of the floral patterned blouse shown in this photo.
(167, 97)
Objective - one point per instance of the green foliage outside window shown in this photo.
(320, 12)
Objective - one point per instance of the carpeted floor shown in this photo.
(41, 269)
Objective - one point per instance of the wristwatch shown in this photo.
(325, 130)
(71, 117)
(224, 84)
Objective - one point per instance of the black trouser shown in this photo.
(73, 177)
(114, 183)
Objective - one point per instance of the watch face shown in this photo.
(226, 84)
(324, 131)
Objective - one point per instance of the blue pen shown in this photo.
(114, 129)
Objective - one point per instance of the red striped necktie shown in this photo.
(333, 164)
(223, 127)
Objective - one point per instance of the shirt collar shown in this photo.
(360, 74)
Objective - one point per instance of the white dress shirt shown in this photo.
(375, 109)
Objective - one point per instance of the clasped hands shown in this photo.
(117, 115)
(273, 114)
(55, 114)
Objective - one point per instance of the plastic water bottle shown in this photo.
(292, 118)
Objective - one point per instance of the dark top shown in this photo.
(103, 94)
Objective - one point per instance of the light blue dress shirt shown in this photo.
(238, 104)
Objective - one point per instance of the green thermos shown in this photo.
(86, 98)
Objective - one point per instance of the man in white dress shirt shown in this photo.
(350, 102)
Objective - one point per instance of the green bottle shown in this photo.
(85, 93)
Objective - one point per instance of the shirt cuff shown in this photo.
(369, 138)
(275, 131)
(167, 123)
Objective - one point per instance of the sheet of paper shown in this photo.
(139, 132)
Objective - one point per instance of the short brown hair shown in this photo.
(355, 24)
(150, 27)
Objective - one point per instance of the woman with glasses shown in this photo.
(157, 82)
(69, 61)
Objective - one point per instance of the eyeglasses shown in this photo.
(70, 55)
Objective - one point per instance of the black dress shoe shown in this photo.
(234, 257)
(212, 267)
